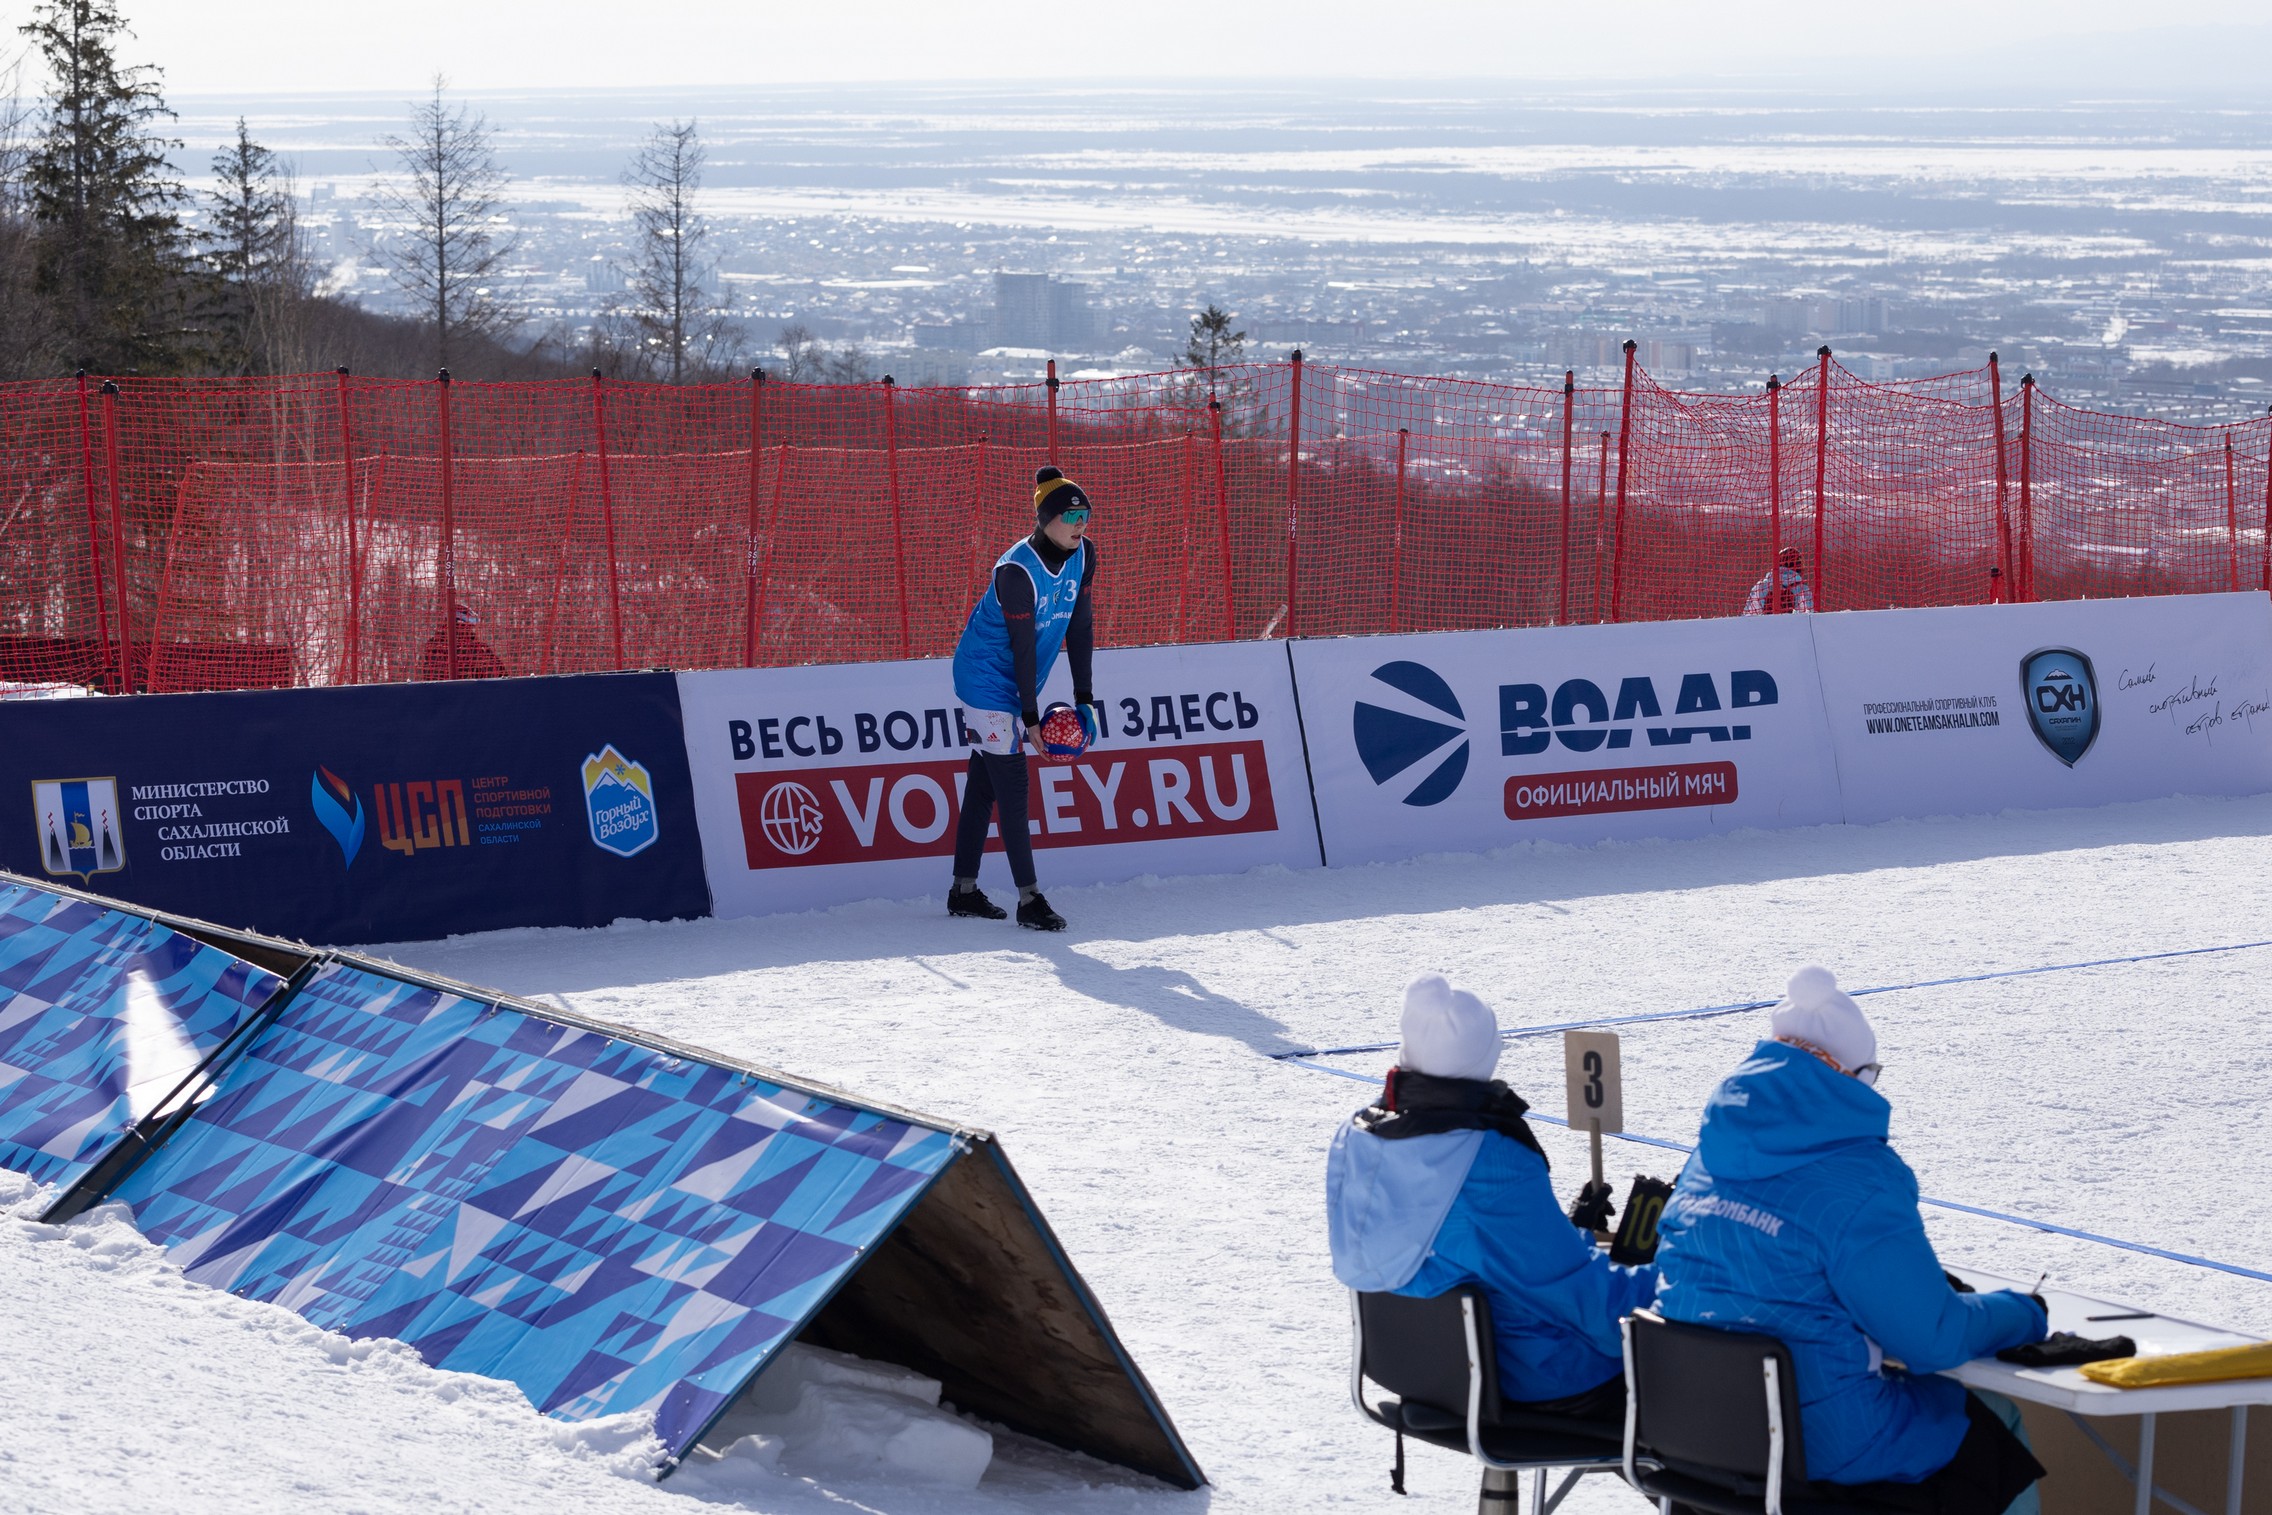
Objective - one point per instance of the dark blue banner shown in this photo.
(391, 812)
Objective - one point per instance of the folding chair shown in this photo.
(1437, 1356)
(1712, 1422)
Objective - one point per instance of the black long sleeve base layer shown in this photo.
(996, 783)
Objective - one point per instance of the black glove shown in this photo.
(1957, 1283)
(2067, 1350)
(1591, 1210)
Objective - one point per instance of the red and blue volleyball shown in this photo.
(1063, 737)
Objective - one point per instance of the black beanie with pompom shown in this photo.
(1054, 494)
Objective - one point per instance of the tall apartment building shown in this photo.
(1041, 311)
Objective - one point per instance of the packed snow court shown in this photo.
(1128, 1066)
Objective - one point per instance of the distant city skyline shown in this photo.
(241, 46)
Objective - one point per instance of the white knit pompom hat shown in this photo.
(1816, 1011)
(1448, 1033)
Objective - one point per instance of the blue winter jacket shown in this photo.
(1424, 1214)
(1797, 1219)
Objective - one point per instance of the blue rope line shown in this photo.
(1943, 1204)
(1708, 1011)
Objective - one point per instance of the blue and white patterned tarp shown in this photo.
(610, 1227)
(102, 1015)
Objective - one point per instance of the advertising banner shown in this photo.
(819, 786)
(1464, 741)
(383, 813)
(2077, 702)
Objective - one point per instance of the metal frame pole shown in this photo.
(1569, 419)
(1396, 541)
(1624, 445)
(1294, 499)
(1223, 522)
(749, 539)
(898, 531)
(449, 555)
(1821, 475)
(351, 664)
(1775, 493)
(1051, 383)
(94, 529)
(607, 515)
(2003, 480)
(118, 538)
(2025, 589)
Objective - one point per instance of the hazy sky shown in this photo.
(292, 46)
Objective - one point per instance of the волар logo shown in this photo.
(1390, 741)
(77, 820)
(2060, 690)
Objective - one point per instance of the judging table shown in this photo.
(2067, 1389)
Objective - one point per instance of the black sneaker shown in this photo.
(975, 904)
(1035, 912)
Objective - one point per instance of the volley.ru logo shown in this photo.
(1392, 741)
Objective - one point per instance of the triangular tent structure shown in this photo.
(614, 1221)
(105, 1014)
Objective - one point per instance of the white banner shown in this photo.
(2079, 702)
(818, 786)
(1463, 741)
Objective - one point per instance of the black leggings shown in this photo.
(996, 782)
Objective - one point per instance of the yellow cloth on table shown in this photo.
(2224, 1363)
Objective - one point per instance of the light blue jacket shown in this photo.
(1424, 1214)
(1796, 1218)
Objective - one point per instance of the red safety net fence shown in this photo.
(161, 534)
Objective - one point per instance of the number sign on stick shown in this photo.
(1591, 1070)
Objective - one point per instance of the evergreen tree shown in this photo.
(1212, 343)
(254, 249)
(111, 260)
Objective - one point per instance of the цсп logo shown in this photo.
(791, 818)
(2061, 693)
(79, 834)
(1391, 741)
(338, 811)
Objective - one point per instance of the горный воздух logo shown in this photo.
(338, 811)
(790, 816)
(619, 803)
(2061, 693)
(79, 834)
(1391, 741)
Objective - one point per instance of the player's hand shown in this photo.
(1033, 737)
(1092, 720)
(1593, 1207)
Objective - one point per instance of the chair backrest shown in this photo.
(1417, 1349)
(1699, 1400)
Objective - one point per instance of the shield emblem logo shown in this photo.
(78, 827)
(2061, 693)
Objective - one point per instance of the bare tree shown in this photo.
(680, 328)
(801, 356)
(441, 242)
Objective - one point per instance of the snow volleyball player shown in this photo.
(1039, 601)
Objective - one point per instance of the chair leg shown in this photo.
(1502, 1490)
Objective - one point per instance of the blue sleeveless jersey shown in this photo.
(985, 678)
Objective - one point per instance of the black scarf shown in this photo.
(1052, 556)
(1419, 1104)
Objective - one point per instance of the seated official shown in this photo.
(1795, 1218)
(1440, 1182)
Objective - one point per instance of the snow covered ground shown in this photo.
(1123, 1065)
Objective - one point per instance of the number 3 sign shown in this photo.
(1591, 1070)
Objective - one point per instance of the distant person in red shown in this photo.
(1783, 590)
(460, 643)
